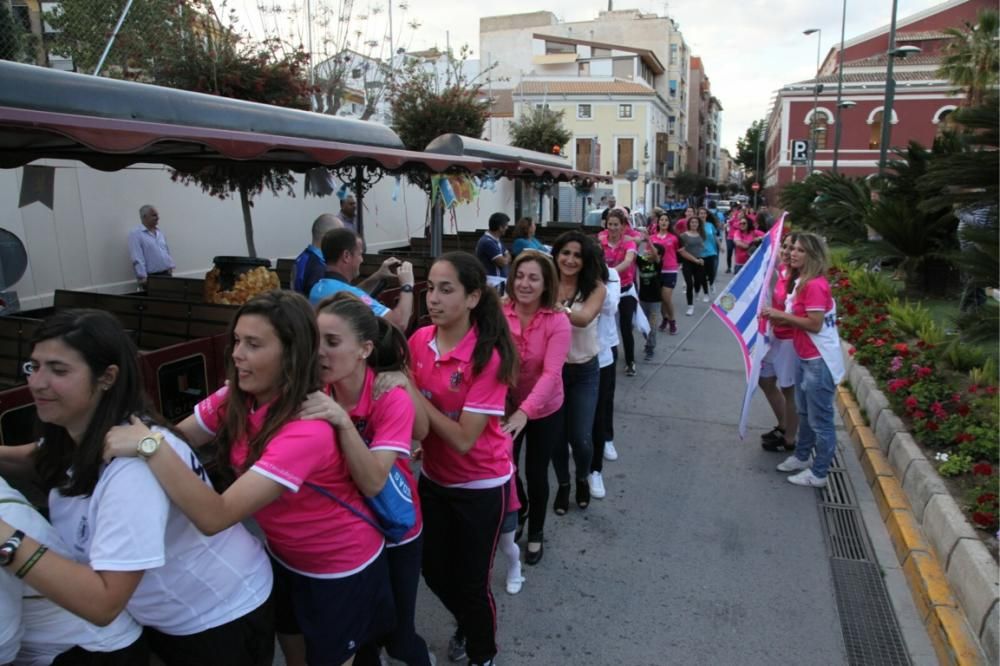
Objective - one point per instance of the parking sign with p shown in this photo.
(800, 151)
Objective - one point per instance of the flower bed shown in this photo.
(951, 411)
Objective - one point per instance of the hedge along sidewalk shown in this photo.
(953, 577)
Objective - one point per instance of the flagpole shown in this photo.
(676, 349)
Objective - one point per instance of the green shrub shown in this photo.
(954, 464)
(932, 334)
(961, 356)
(910, 317)
(986, 374)
(876, 286)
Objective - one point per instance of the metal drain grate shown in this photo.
(871, 633)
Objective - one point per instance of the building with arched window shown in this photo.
(923, 100)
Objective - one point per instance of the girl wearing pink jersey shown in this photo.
(745, 239)
(667, 243)
(374, 436)
(812, 315)
(777, 373)
(464, 364)
(331, 579)
(620, 253)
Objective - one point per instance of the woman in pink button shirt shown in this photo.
(541, 332)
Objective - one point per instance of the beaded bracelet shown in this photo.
(32, 561)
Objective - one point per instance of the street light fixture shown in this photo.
(816, 89)
(890, 88)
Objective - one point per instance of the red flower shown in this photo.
(982, 469)
(956, 397)
(919, 414)
(992, 390)
(852, 351)
(987, 498)
(879, 342)
(984, 519)
(844, 282)
(897, 385)
(966, 437)
(963, 410)
(911, 403)
(923, 371)
(902, 348)
(974, 388)
(933, 427)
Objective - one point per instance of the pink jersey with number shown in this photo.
(814, 296)
(446, 380)
(386, 424)
(306, 531)
(669, 242)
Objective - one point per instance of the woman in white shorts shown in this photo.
(778, 368)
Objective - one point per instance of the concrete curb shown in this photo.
(952, 576)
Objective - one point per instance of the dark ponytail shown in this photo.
(487, 317)
(391, 351)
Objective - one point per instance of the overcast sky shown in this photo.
(750, 48)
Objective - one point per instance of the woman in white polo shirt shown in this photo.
(203, 599)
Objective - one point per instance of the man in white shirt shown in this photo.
(148, 247)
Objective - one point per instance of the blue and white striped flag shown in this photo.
(739, 305)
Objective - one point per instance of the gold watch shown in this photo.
(148, 445)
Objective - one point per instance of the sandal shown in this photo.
(582, 493)
(561, 505)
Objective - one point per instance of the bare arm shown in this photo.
(812, 322)
(400, 315)
(628, 261)
(591, 307)
(96, 596)
(460, 435)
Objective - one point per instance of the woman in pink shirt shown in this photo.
(620, 253)
(331, 579)
(731, 223)
(464, 364)
(375, 436)
(812, 315)
(744, 238)
(541, 332)
(778, 368)
(667, 244)
(682, 224)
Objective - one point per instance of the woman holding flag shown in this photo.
(812, 315)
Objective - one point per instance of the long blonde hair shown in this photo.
(816, 261)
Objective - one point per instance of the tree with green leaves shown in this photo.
(687, 183)
(203, 56)
(750, 147)
(424, 107)
(540, 129)
(16, 43)
(972, 57)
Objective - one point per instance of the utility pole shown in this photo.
(840, 89)
(812, 120)
(890, 91)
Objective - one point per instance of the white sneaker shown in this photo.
(689, 311)
(793, 464)
(597, 490)
(514, 582)
(704, 299)
(610, 452)
(808, 479)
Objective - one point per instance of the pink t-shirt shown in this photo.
(386, 424)
(814, 296)
(669, 243)
(732, 225)
(447, 381)
(306, 531)
(542, 348)
(781, 332)
(741, 255)
(681, 226)
(614, 255)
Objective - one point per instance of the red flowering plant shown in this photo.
(946, 414)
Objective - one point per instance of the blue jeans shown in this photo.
(580, 383)
(814, 392)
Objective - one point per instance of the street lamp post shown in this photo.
(890, 88)
(840, 88)
(812, 120)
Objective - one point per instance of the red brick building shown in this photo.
(922, 99)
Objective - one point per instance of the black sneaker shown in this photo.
(649, 354)
(776, 434)
(630, 370)
(456, 647)
(778, 445)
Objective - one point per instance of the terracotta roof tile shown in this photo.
(918, 35)
(871, 77)
(583, 87)
(881, 59)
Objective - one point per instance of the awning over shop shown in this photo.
(110, 124)
(521, 163)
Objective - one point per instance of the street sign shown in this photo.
(755, 187)
(632, 175)
(800, 151)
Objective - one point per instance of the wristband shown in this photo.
(32, 561)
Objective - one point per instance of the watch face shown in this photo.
(148, 446)
(6, 555)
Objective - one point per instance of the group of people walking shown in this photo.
(321, 409)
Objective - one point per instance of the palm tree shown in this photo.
(971, 58)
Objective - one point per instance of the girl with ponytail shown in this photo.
(463, 365)
(374, 435)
